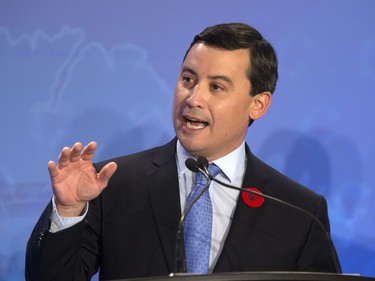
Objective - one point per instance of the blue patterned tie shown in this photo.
(198, 226)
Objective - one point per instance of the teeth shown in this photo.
(195, 126)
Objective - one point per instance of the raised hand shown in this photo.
(75, 180)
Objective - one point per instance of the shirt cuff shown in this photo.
(59, 223)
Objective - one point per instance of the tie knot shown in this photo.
(214, 170)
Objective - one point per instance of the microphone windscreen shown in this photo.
(192, 165)
(202, 162)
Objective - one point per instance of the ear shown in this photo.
(259, 105)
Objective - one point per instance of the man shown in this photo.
(121, 216)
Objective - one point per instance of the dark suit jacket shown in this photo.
(130, 229)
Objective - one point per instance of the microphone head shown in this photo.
(192, 165)
(202, 162)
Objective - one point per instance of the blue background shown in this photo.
(105, 71)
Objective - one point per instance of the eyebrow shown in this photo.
(221, 77)
(188, 69)
(211, 77)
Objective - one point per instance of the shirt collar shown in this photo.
(230, 164)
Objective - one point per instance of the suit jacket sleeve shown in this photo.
(129, 230)
(318, 253)
(70, 254)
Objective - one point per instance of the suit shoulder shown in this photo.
(281, 185)
(138, 159)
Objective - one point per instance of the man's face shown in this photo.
(212, 102)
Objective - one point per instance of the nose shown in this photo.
(197, 97)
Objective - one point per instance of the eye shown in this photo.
(216, 87)
(188, 81)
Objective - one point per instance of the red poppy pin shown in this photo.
(252, 200)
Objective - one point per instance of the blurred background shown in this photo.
(105, 71)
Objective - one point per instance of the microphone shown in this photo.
(201, 164)
(180, 262)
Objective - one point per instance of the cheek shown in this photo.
(178, 102)
(176, 97)
(179, 93)
(233, 117)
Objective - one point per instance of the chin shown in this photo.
(191, 146)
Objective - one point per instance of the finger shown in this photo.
(106, 173)
(89, 151)
(52, 169)
(64, 157)
(75, 152)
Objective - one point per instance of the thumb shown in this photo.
(106, 173)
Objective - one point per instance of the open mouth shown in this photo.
(195, 124)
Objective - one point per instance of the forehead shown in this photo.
(215, 61)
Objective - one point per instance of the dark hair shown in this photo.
(262, 71)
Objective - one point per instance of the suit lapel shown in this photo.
(163, 190)
(237, 246)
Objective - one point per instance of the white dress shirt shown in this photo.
(223, 199)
